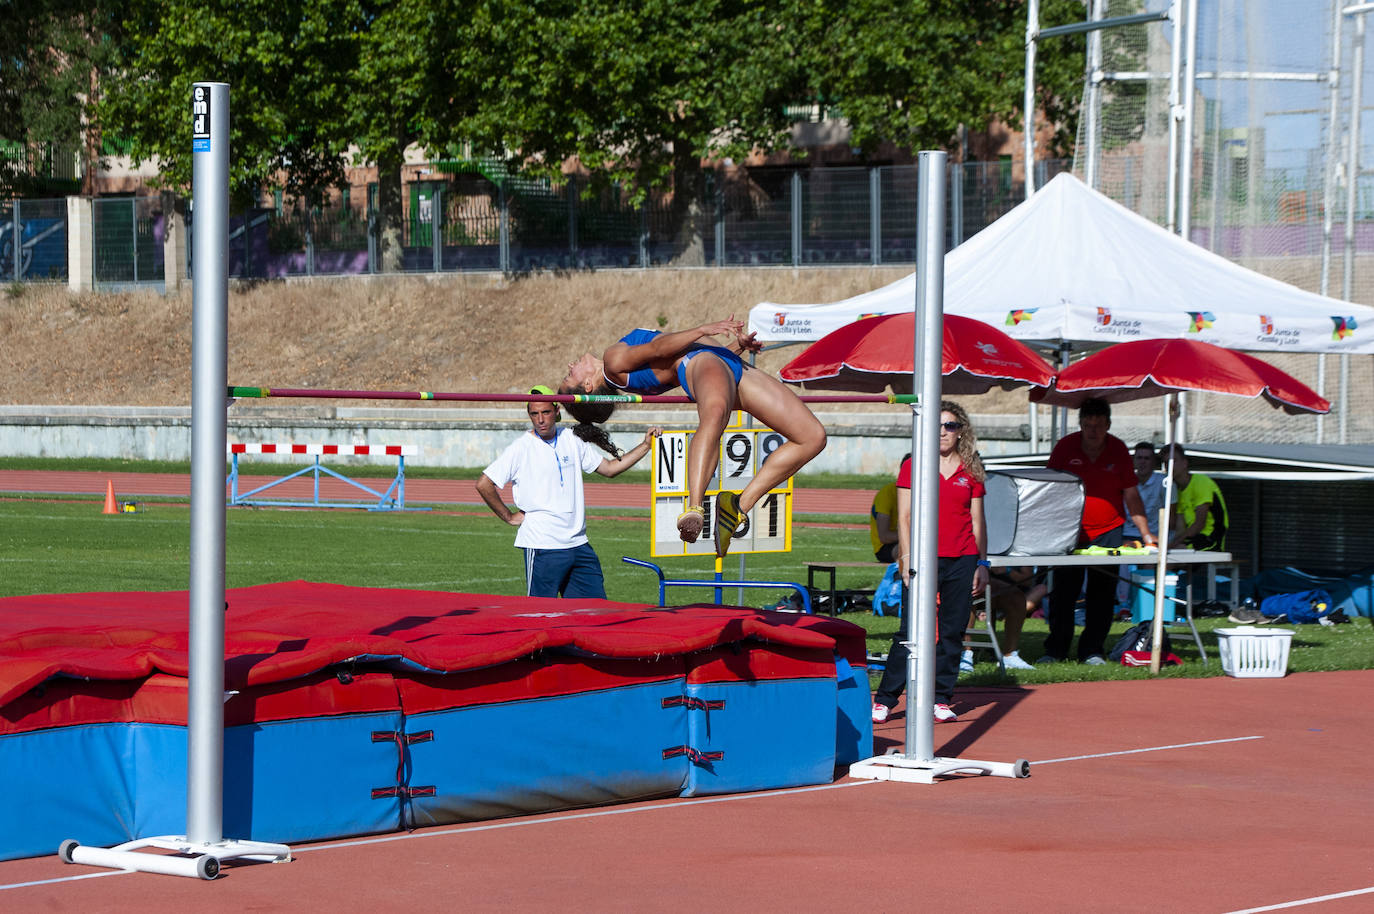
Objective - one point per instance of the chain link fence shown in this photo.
(473, 222)
(128, 240)
(33, 240)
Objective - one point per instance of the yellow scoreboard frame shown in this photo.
(742, 452)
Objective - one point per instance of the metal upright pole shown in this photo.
(1176, 53)
(927, 354)
(209, 379)
(919, 763)
(1352, 183)
(1329, 181)
(1093, 108)
(1028, 97)
(203, 846)
(1185, 143)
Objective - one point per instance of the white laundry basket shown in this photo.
(1249, 652)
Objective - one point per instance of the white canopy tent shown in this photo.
(1072, 264)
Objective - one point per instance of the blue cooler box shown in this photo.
(1143, 597)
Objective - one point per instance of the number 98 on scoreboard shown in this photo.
(742, 452)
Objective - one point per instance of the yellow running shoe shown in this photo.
(729, 521)
(690, 523)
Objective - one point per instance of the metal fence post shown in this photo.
(503, 210)
(644, 235)
(18, 240)
(436, 238)
(875, 215)
(572, 215)
(372, 224)
(133, 232)
(796, 218)
(719, 196)
(956, 204)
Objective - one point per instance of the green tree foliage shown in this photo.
(50, 54)
(638, 90)
(288, 64)
(910, 72)
(409, 90)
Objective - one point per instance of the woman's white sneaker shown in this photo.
(1013, 661)
(880, 712)
(944, 713)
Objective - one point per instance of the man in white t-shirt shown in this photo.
(546, 465)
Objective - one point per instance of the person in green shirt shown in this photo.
(882, 528)
(1200, 518)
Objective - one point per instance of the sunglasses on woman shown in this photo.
(951, 426)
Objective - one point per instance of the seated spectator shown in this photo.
(1016, 593)
(1150, 483)
(1200, 518)
(881, 529)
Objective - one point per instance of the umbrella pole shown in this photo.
(1162, 540)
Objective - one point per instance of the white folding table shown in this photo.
(986, 634)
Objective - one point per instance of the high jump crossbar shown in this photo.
(260, 393)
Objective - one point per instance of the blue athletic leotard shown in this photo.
(642, 380)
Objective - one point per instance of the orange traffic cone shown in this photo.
(110, 506)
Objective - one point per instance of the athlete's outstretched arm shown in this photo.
(621, 358)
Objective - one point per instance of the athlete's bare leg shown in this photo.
(713, 389)
(775, 405)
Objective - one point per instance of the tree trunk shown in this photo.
(689, 210)
(90, 139)
(389, 214)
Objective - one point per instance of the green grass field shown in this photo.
(65, 546)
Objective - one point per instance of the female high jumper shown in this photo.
(718, 381)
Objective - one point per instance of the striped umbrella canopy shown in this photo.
(876, 352)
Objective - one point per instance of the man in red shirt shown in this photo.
(1104, 464)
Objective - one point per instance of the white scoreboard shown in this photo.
(742, 452)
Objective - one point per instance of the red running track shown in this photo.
(418, 491)
(1190, 795)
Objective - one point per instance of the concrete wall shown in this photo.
(869, 443)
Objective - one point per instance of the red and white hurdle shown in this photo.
(393, 499)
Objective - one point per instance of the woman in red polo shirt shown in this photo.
(962, 572)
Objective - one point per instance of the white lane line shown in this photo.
(25, 885)
(1079, 758)
(593, 814)
(492, 826)
(1316, 899)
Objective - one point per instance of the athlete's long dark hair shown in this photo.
(590, 417)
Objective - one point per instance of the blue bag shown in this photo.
(1303, 606)
(889, 592)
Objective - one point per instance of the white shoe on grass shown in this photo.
(1013, 661)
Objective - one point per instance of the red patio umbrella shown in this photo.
(876, 352)
(1154, 368)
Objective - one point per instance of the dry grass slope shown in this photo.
(459, 332)
(446, 333)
